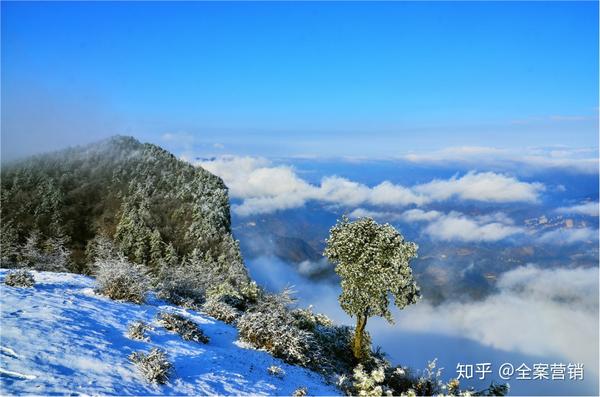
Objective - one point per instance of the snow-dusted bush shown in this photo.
(307, 320)
(270, 325)
(178, 285)
(19, 278)
(188, 329)
(154, 365)
(101, 248)
(335, 343)
(137, 330)
(225, 292)
(221, 311)
(277, 371)
(50, 255)
(121, 280)
(429, 381)
(300, 392)
(370, 383)
(379, 378)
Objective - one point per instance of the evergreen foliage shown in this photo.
(137, 331)
(270, 325)
(372, 261)
(121, 280)
(221, 310)
(19, 278)
(154, 365)
(64, 210)
(188, 329)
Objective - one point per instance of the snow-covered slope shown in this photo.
(61, 338)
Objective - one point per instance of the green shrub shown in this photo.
(137, 330)
(221, 311)
(121, 280)
(176, 285)
(153, 365)
(270, 325)
(188, 329)
(19, 278)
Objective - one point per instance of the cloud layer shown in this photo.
(589, 208)
(567, 159)
(565, 236)
(535, 311)
(459, 227)
(266, 188)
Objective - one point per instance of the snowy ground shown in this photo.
(60, 338)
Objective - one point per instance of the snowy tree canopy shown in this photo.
(372, 261)
(117, 197)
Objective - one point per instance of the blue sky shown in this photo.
(359, 79)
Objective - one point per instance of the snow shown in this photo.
(60, 338)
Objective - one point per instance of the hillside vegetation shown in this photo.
(149, 226)
(82, 346)
(61, 210)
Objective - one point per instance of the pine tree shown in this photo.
(101, 248)
(156, 249)
(133, 234)
(9, 244)
(372, 261)
(56, 255)
(170, 257)
(30, 253)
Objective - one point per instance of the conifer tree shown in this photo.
(372, 261)
(156, 249)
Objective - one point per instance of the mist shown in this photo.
(536, 316)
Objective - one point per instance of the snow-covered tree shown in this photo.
(30, 253)
(156, 209)
(47, 255)
(372, 261)
(9, 244)
(99, 248)
(170, 258)
(57, 255)
(156, 249)
(133, 233)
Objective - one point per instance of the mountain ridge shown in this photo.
(157, 209)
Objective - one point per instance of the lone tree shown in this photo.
(372, 261)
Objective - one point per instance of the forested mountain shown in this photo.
(64, 209)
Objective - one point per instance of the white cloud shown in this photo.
(362, 213)
(255, 177)
(414, 215)
(568, 159)
(265, 187)
(589, 208)
(267, 205)
(483, 186)
(536, 311)
(565, 236)
(386, 193)
(459, 227)
(417, 215)
(343, 191)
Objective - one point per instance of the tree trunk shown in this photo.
(357, 343)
